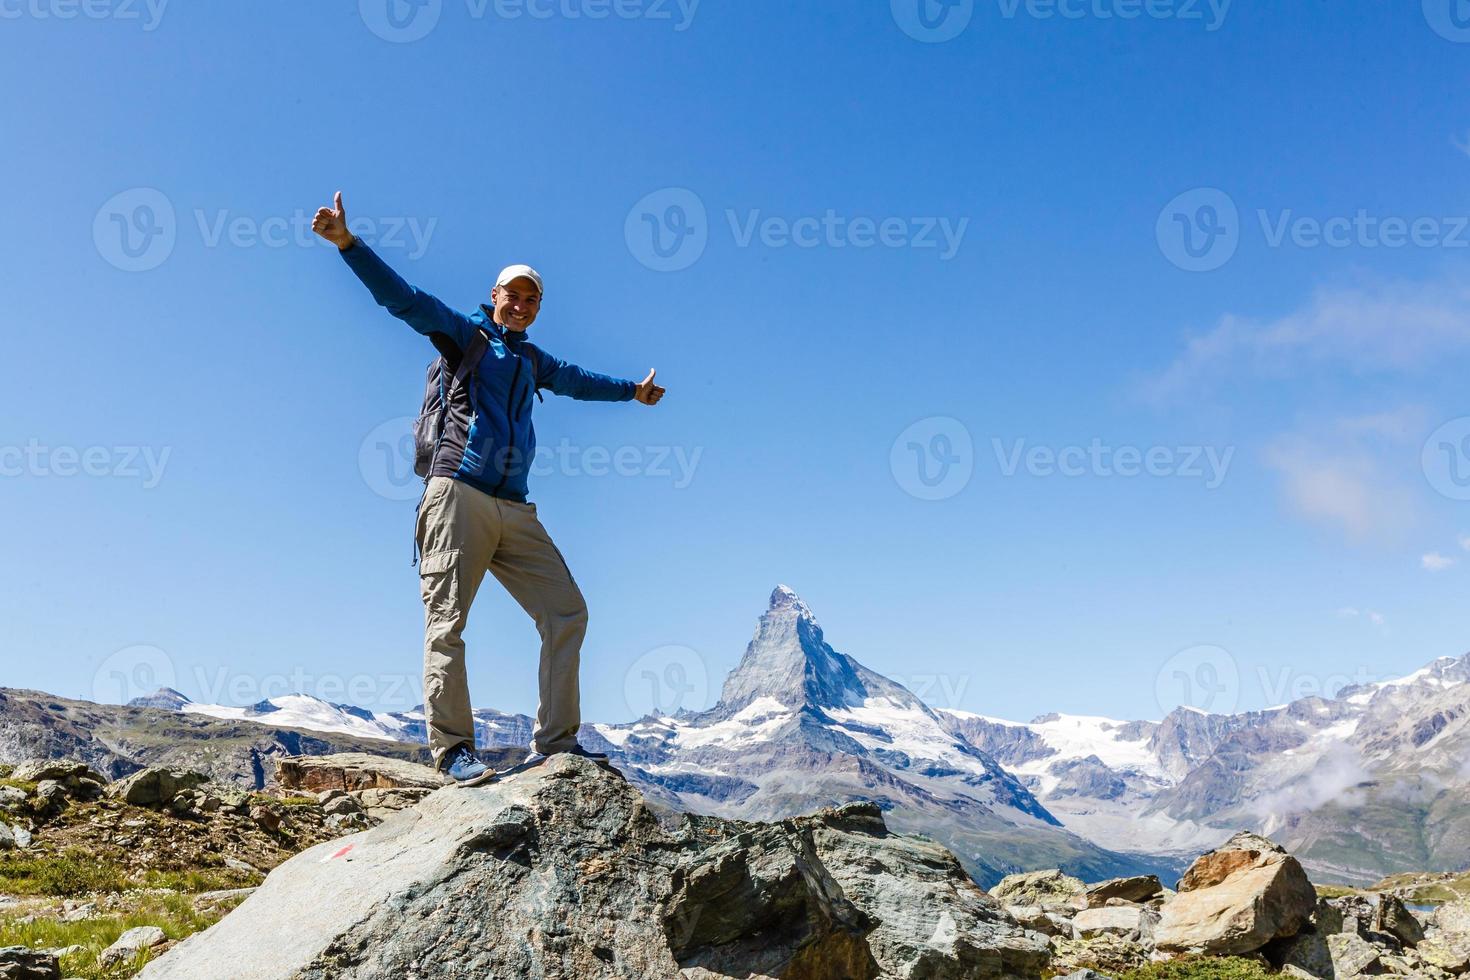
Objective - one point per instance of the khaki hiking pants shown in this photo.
(462, 533)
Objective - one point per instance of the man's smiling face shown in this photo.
(516, 303)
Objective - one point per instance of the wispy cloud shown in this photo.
(1334, 474)
(1398, 326)
(1436, 562)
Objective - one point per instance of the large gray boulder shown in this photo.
(563, 871)
(1236, 899)
(23, 963)
(155, 785)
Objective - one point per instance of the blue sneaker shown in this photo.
(465, 769)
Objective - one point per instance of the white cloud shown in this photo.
(1375, 618)
(1335, 474)
(1436, 562)
(1398, 326)
(1465, 542)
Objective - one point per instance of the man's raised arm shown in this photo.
(418, 309)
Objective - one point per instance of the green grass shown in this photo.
(79, 873)
(174, 914)
(1201, 968)
(24, 785)
(72, 873)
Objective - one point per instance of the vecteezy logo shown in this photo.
(401, 21)
(135, 231)
(1205, 678)
(932, 21)
(1449, 18)
(933, 459)
(665, 680)
(667, 230)
(1446, 459)
(1199, 230)
(385, 460)
(131, 673)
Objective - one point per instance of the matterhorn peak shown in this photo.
(785, 599)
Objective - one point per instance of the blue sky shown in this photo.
(939, 353)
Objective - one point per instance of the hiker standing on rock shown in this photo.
(474, 516)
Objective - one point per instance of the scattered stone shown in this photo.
(1109, 954)
(155, 785)
(1236, 899)
(265, 818)
(1037, 888)
(7, 838)
(235, 864)
(1395, 919)
(60, 770)
(1038, 919)
(50, 792)
(1139, 889)
(1131, 922)
(131, 943)
(24, 963)
(12, 798)
(342, 804)
(21, 835)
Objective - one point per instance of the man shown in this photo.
(474, 516)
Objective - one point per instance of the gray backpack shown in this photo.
(441, 383)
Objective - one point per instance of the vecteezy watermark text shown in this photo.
(148, 13)
(405, 21)
(669, 229)
(1200, 230)
(936, 21)
(36, 459)
(1098, 459)
(137, 230)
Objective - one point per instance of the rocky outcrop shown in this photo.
(563, 871)
(349, 771)
(1236, 899)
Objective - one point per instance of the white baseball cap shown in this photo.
(512, 272)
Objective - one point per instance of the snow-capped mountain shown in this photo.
(492, 728)
(1372, 781)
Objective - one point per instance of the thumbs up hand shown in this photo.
(331, 223)
(647, 392)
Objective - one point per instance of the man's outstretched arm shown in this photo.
(418, 309)
(562, 378)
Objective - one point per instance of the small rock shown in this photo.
(265, 818)
(1036, 888)
(1139, 889)
(50, 791)
(21, 835)
(7, 838)
(237, 865)
(12, 798)
(1131, 922)
(342, 804)
(24, 963)
(130, 943)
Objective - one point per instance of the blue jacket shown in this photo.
(496, 451)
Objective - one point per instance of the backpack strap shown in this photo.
(479, 344)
